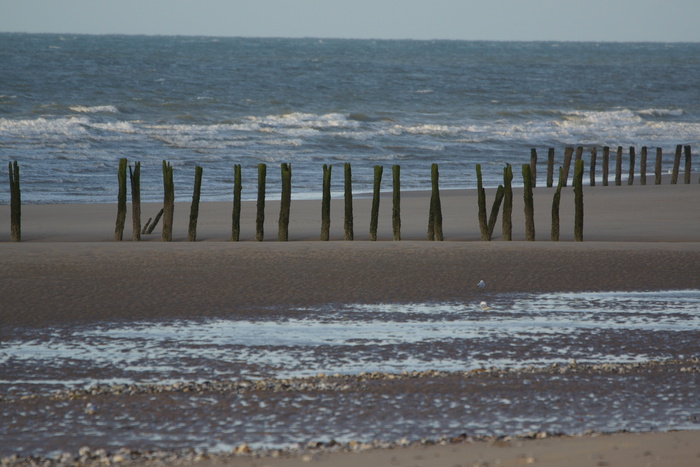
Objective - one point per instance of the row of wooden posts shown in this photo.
(486, 223)
(569, 152)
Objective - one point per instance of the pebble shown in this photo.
(85, 455)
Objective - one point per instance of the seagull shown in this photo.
(484, 306)
(90, 409)
(481, 284)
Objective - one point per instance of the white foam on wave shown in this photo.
(94, 109)
(306, 120)
(662, 112)
(42, 127)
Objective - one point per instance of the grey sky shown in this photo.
(577, 20)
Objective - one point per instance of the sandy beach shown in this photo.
(69, 271)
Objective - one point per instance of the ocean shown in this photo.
(72, 105)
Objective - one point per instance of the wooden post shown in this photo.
(630, 178)
(236, 213)
(374, 219)
(493, 217)
(326, 204)
(657, 168)
(550, 168)
(285, 202)
(594, 156)
(260, 217)
(533, 166)
(348, 225)
(578, 201)
(568, 152)
(529, 204)
(121, 201)
(556, 201)
(168, 202)
(508, 202)
(15, 203)
(396, 210)
(688, 164)
(481, 201)
(577, 157)
(676, 164)
(135, 180)
(606, 163)
(194, 208)
(435, 214)
(643, 166)
(152, 227)
(618, 167)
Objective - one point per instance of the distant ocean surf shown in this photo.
(71, 106)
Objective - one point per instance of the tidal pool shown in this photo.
(496, 331)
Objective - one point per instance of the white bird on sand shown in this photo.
(481, 284)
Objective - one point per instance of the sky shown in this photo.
(520, 20)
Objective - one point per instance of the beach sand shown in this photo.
(68, 270)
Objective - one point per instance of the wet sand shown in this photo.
(69, 272)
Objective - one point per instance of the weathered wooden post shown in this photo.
(568, 152)
(15, 203)
(236, 213)
(630, 177)
(579, 155)
(556, 201)
(148, 229)
(481, 202)
(643, 166)
(578, 201)
(374, 218)
(676, 164)
(493, 217)
(396, 210)
(533, 166)
(657, 167)
(326, 204)
(168, 202)
(194, 208)
(348, 224)
(121, 201)
(606, 163)
(508, 202)
(529, 204)
(285, 202)
(688, 164)
(435, 214)
(260, 217)
(594, 157)
(135, 180)
(618, 167)
(550, 168)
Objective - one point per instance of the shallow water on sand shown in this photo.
(500, 331)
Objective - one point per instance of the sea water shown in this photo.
(72, 105)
